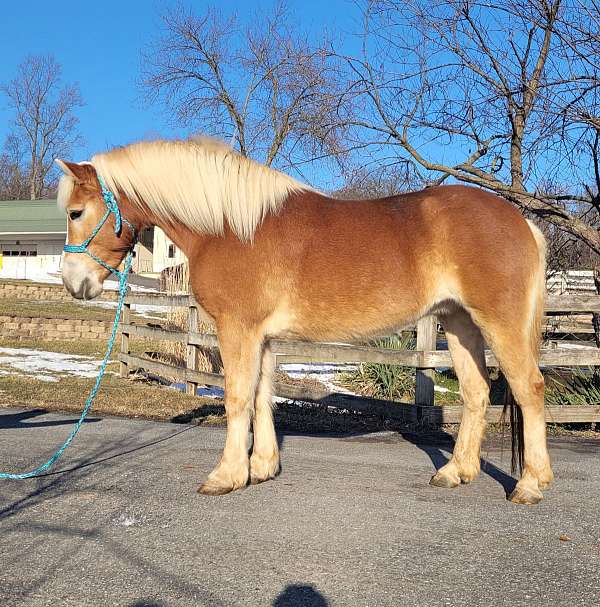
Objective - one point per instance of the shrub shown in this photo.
(581, 388)
(377, 380)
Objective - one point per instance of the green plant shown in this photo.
(388, 382)
(581, 388)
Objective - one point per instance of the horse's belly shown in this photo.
(323, 320)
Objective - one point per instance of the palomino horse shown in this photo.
(270, 257)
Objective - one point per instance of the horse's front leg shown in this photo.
(264, 463)
(241, 354)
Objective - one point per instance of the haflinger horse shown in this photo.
(272, 258)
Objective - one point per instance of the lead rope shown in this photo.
(123, 275)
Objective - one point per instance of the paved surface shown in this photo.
(351, 521)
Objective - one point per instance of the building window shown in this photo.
(171, 253)
(146, 238)
(19, 253)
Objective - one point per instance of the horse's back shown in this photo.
(381, 263)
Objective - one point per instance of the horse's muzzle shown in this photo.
(79, 281)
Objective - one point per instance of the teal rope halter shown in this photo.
(112, 209)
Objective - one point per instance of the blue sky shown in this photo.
(98, 45)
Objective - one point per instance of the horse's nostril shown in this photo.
(78, 292)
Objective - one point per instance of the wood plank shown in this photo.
(572, 302)
(559, 357)
(452, 414)
(555, 304)
(300, 351)
(177, 372)
(155, 333)
(176, 301)
(346, 353)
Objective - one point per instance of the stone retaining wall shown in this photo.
(33, 292)
(16, 327)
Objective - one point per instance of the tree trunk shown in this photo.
(596, 316)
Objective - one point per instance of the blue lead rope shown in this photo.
(122, 275)
(90, 399)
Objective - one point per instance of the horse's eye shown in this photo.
(73, 215)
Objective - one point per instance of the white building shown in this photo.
(33, 233)
(164, 252)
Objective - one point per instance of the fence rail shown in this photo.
(425, 359)
(576, 303)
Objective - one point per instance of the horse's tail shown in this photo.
(537, 294)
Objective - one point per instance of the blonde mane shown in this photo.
(199, 182)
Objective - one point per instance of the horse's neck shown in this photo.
(184, 238)
(181, 236)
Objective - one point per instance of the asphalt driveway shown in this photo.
(351, 521)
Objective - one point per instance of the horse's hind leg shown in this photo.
(513, 349)
(241, 349)
(264, 462)
(467, 350)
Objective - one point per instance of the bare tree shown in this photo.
(44, 123)
(262, 86)
(377, 182)
(485, 93)
(14, 181)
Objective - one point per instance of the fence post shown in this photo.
(426, 340)
(192, 350)
(595, 315)
(125, 320)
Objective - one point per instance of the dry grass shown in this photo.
(207, 359)
(116, 397)
(57, 309)
(131, 398)
(142, 398)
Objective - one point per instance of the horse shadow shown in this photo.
(439, 445)
(424, 432)
(15, 421)
(429, 435)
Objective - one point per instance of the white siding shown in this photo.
(46, 261)
(161, 252)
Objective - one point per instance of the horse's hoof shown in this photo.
(440, 480)
(256, 480)
(263, 470)
(209, 488)
(545, 481)
(526, 497)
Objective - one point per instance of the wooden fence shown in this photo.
(425, 359)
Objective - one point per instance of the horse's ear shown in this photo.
(81, 173)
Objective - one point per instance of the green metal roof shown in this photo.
(31, 217)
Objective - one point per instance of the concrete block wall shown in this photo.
(15, 327)
(34, 292)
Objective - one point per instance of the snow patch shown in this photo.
(42, 365)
